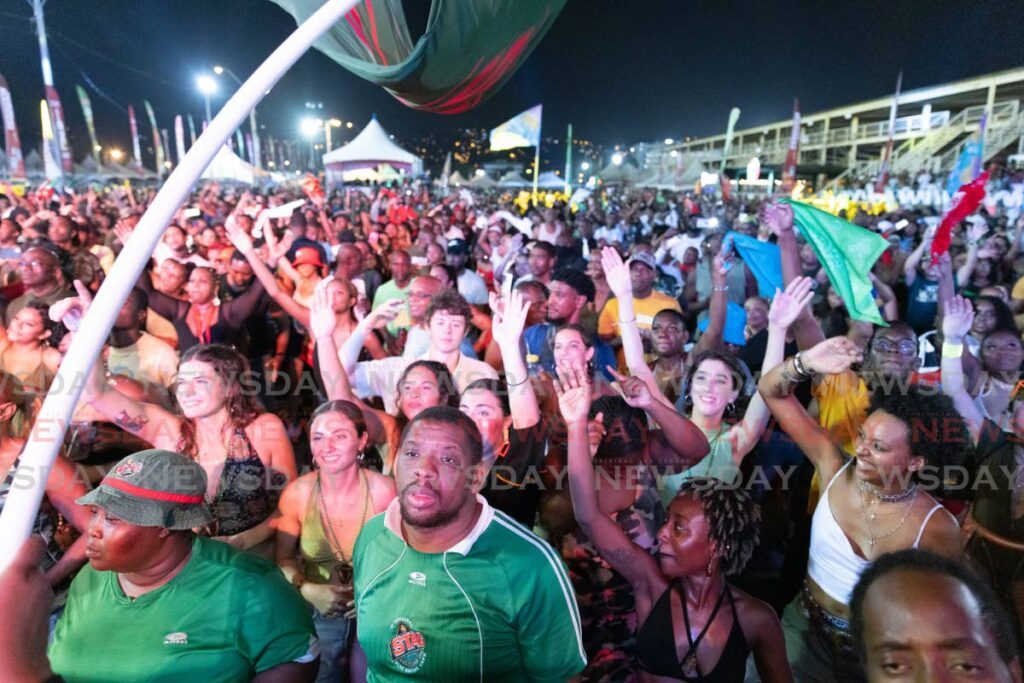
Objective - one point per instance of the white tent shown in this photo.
(229, 166)
(371, 149)
(550, 181)
(456, 179)
(513, 180)
(482, 181)
(618, 173)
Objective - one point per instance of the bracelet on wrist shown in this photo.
(801, 369)
(720, 289)
(952, 350)
(631, 321)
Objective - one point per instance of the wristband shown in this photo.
(952, 350)
(798, 365)
(631, 321)
(720, 289)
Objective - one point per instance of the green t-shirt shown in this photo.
(388, 291)
(226, 616)
(498, 606)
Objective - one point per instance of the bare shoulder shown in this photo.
(382, 489)
(296, 493)
(941, 532)
(266, 425)
(756, 616)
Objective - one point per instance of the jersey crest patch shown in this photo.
(408, 647)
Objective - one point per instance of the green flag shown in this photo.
(466, 53)
(83, 99)
(846, 252)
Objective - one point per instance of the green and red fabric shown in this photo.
(847, 252)
(466, 53)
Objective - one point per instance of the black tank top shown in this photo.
(656, 645)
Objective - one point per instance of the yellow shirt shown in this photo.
(842, 407)
(646, 309)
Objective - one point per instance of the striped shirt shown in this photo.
(496, 606)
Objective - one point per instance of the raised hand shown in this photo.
(777, 217)
(509, 320)
(832, 356)
(975, 231)
(123, 231)
(788, 305)
(616, 272)
(957, 319)
(633, 390)
(383, 314)
(573, 388)
(72, 309)
(322, 320)
(238, 237)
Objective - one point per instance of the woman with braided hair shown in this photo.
(693, 624)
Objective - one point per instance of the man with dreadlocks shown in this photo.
(711, 532)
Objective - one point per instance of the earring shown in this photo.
(710, 568)
(730, 409)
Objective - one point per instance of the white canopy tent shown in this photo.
(513, 180)
(229, 166)
(370, 150)
(549, 180)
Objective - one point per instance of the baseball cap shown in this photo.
(154, 488)
(644, 258)
(307, 255)
(458, 246)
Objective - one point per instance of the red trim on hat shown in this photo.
(150, 494)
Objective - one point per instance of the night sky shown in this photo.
(621, 71)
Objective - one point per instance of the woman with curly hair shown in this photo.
(245, 452)
(693, 624)
(872, 505)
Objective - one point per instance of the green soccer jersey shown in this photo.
(498, 606)
(225, 617)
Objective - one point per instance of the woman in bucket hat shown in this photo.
(157, 602)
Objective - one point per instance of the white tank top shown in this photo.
(832, 562)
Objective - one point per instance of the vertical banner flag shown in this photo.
(883, 173)
(446, 171)
(522, 130)
(136, 151)
(179, 137)
(12, 144)
(793, 154)
(83, 99)
(734, 116)
(249, 148)
(59, 131)
(968, 166)
(568, 160)
(166, 139)
(191, 130)
(51, 152)
(158, 147)
(241, 142)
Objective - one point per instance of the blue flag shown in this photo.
(764, 261)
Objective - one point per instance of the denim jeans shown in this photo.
(335, 640)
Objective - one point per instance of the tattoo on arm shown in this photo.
(131, 423)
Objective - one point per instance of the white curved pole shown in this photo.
(48, 431)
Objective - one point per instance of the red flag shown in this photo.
(15, 162)
(311, 186)
(789, 168)
(966, 200)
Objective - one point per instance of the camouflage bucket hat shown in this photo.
(154, 488)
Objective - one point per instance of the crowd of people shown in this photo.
(413, 432)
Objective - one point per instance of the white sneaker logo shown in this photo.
(418, 579)
(176, 639)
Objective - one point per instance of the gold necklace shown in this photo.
(343, 566)
(867, 518)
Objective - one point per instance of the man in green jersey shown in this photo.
(450, 589)
(158, 603)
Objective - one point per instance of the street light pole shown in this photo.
(253, 130)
